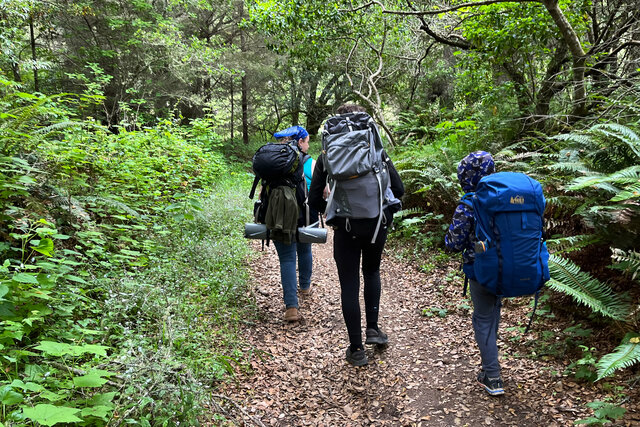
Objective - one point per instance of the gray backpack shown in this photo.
(357, 174)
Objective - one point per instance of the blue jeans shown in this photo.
(485, 320)
(287, 256)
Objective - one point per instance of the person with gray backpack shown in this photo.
(364, 194)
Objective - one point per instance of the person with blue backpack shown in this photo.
(498, 227)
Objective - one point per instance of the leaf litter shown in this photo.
(425, 377)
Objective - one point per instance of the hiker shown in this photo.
(289, 251)
(486, 306)
(357, 236)
(300, 134)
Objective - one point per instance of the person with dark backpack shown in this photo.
(498, 227)
(282, 207)
(364, 191)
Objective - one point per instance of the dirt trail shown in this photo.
(426, 376)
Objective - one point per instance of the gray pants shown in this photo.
(485, 320)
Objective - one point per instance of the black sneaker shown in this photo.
(376, 337)
(493, 386)
(357, 358)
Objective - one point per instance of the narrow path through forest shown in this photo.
(426, 376)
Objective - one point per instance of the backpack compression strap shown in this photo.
(256, 180)
(535, 305)
(375, 233)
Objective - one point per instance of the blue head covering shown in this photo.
(474, 167)
(296, 132)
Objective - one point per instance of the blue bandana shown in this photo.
(296, 132)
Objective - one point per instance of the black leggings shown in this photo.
(347, 247)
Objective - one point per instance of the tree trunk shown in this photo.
(231, 102)
(36, 82)
(548, 88)
(577, 52)
(245, 111)
(244, 86)
(15, 69)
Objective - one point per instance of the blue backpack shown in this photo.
(511, 257)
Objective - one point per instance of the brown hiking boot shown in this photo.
(292, 314)
(305, 292)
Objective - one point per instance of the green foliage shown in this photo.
(570, 243)
(79, 208)
(604, 413)
(584, 368)
(628, 262)
(566, 277)
(625, 355)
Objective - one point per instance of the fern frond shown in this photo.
(571, 243)
(595, 182)
(113, 203)
(620, 132)
(564, 202)
(566, 277)
(408, 212)
(57, 126)
(625, 355)
(624, 176)
(579, 139)
(571, 167)
(632, 192)
(627, 261)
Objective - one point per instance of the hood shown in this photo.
(474, 167)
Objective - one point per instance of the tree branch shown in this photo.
(435, 12)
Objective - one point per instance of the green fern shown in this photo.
(622, 133)
(571, 243)
(60, 126)
(630, 175)
(408, 212)
(570, 167)
(575, 138)
(625, 355)
(566, 277)
(632, 192)
(627, 261)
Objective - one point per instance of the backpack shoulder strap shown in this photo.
(466, 199)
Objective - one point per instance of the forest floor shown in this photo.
(425, 377)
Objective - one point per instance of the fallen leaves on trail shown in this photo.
(425, 377)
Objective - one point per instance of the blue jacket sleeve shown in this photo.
(459, 235)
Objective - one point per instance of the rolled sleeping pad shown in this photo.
(309, 234)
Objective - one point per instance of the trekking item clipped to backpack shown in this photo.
(357, 175)
(511, 257)
(308, 234)
(278, 166)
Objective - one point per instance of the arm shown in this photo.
(318, 183)
(460, 229)
(396, 183)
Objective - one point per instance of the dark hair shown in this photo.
(350, 108)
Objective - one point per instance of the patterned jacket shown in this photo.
(461, 234)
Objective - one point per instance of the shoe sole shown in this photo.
(377, 341)
(495, 392)
(358, 362)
